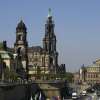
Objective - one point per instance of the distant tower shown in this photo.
(21, 45)
(49, 41)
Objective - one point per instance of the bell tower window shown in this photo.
(19, 37)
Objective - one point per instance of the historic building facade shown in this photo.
(44, 60)
(20, 48)
(30, 62)
(90, 74)
(6, 61)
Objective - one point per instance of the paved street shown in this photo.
(79, 88)
(92, 96)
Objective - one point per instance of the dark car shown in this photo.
(98, 93)
(90, 90)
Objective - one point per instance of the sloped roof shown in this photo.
(10, 49)
(35, 49)
(6, 55)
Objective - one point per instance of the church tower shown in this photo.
(49, 42)
(21, 45)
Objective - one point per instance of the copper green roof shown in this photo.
(49, 12)
(6, 55)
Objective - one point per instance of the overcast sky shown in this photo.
(77, 27)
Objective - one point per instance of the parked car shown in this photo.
(98, 93)
(90, 90)
(84, 92)
(74, 95)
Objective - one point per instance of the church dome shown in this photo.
(21, 27)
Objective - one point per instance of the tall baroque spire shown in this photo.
(49, 41)
(49, 26)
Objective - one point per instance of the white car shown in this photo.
(84, 93)
(74, 95)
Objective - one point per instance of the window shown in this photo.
(19, 37)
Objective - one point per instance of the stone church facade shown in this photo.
(36, 60)
(46, 57)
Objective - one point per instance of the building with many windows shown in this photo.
(90, 74)
(36, 61)
(44, 60)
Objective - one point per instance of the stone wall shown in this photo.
(14, 92)
(47, 89)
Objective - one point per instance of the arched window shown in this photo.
(19, 50)
(20, 37)
(51, 60)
